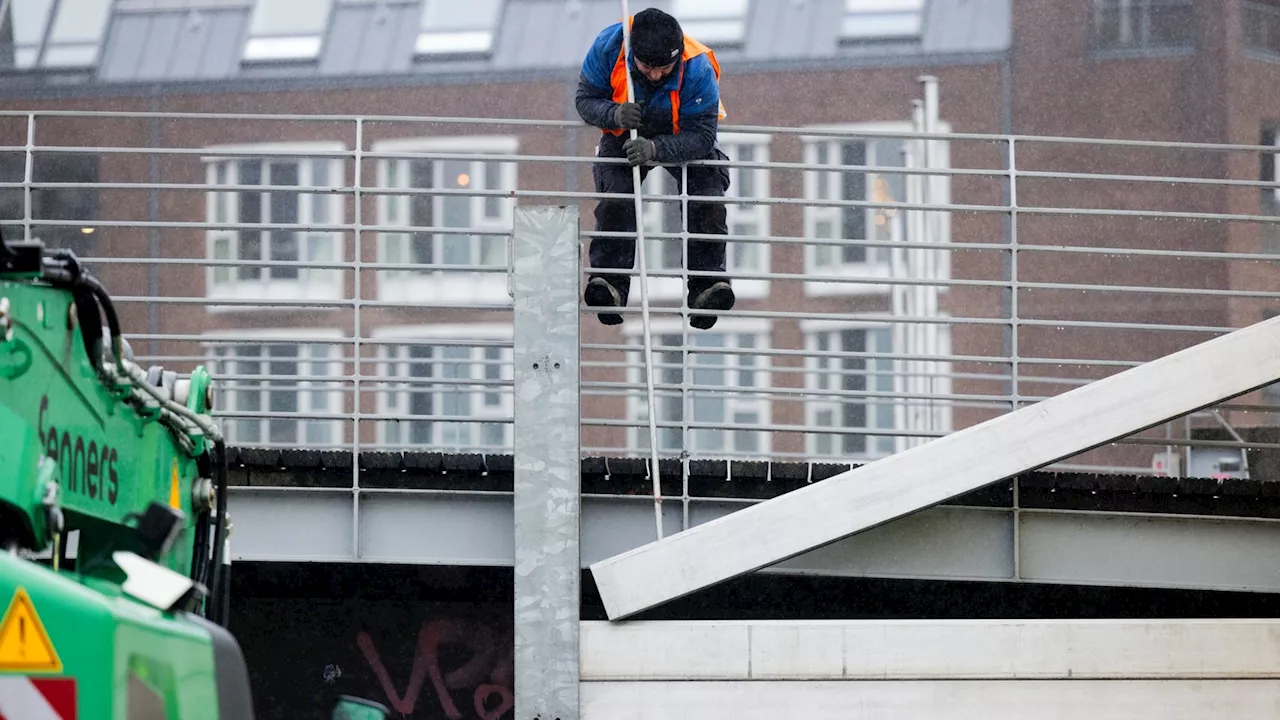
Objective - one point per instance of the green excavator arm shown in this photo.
(132, 461)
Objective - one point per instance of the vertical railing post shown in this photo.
(28, 162)
(154, 177)
(931, 223)
(547, 462)
(1015, 394)
(357, 232)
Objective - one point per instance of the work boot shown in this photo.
(600, 293)
(719, 296)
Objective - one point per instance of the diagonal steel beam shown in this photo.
(918, 478)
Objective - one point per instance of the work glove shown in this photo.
(640, 150)
(627, 116)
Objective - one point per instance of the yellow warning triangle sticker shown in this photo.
(24, 644)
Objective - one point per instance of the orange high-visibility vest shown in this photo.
(692, 49)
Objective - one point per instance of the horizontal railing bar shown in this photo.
(1162, 179)
(804, 202)
(341, 340)
(299, 416)
(766, 393)
(1125, 326)
(1216, 256)
(309, 303)
(593, 160)
(214, 154)
(873, 432)
(793, 352)
(761, 129)
(345, 383)
(1146, 289)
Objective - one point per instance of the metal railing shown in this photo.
(347, 277)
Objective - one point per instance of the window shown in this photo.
(852, 224)
(434, 259)
(748, 220)
(726, 388)
(53, 33)
(142, 700)
(281, 385)
(434, 386)
(1143, 24)
(1261, 26)
(881, 20)
(286, 30)
(450, 27)
(748, 182)
(844, 380)
(276, 203)
(714, 22)
(58, 203)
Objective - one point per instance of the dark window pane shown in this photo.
(492, 174)
(283, 397)
(493, 373)
(421, 396)
(284, 209)
(250, 211)
(854, 410)
(853, 187)
(1130, 24)
(421, 244)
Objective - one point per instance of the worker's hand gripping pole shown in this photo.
(644, 287)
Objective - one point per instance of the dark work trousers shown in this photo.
(619, 215)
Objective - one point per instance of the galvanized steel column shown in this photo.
(547, 462)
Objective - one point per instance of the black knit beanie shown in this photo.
(656, 38)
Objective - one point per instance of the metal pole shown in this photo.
(547, 497)
(644, 288)
(153, 214)
(1014, 368)
(930, 256)
(357, 183)
(28, 163)
(915, 269)
(901, 304)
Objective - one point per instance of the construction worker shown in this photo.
(676, 112)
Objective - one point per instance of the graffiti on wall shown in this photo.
(481, 683)
(423, 660)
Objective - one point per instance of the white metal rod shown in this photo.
(644, 283)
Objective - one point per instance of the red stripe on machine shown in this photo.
(28, 698)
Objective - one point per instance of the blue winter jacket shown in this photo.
(699, 100)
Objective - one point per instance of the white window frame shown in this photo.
(917, 416)
(266, 47)
(453, 39)
(660, 182)
(758, 401)
(221, 282)
(216, 340)
(901, 20)
(438, 286)
(715, 26)
(878, 262)
(392, 395)
(830, 445)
